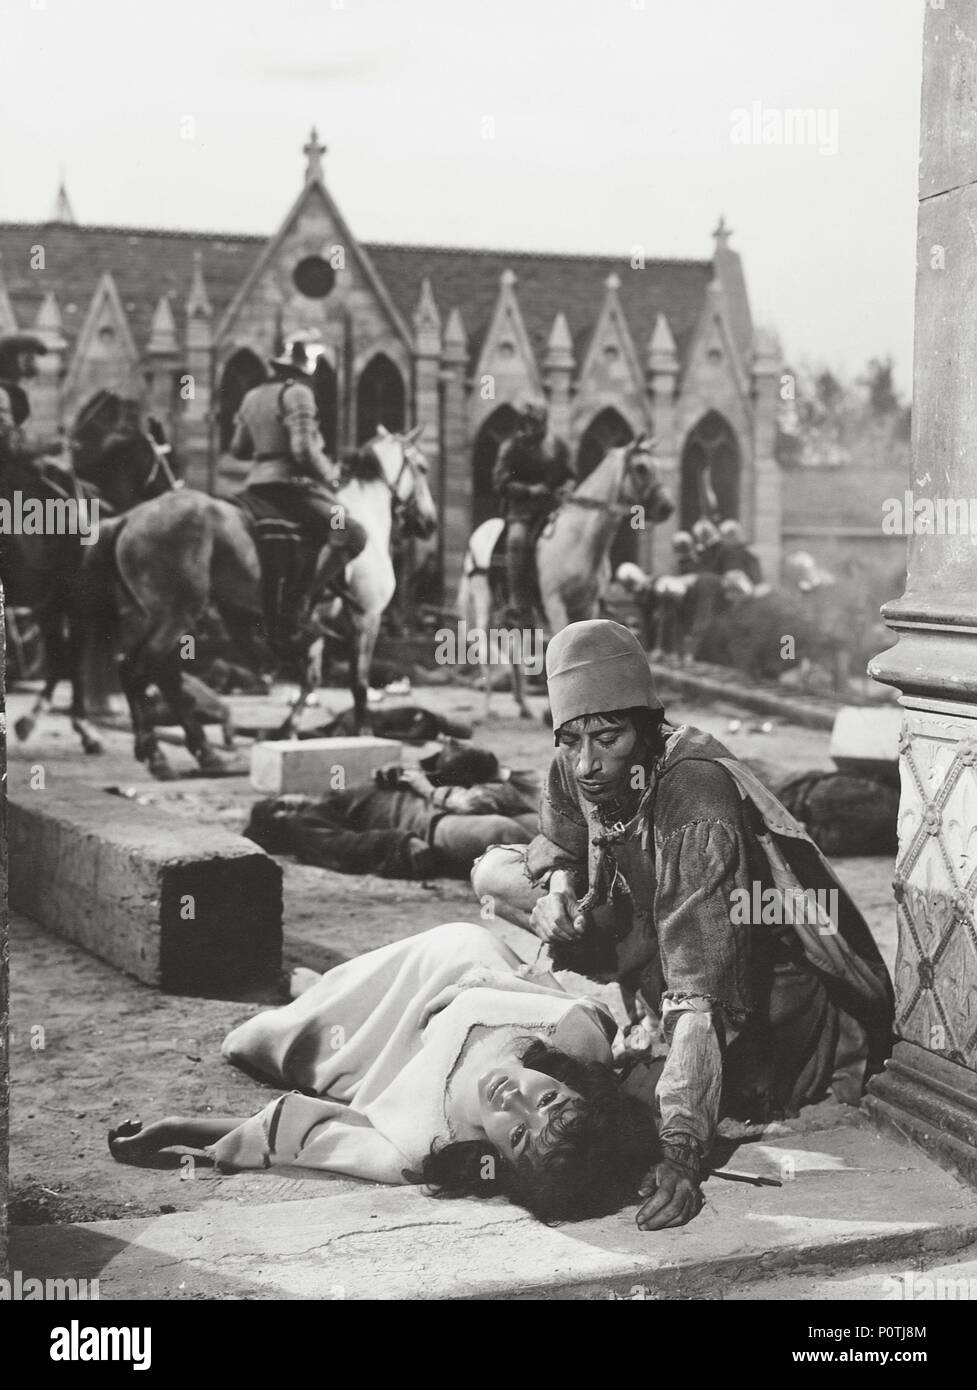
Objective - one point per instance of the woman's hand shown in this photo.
(555, 917)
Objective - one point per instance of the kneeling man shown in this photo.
(662, 862)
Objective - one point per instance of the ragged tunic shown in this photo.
(760, 1016)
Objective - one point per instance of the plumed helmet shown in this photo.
(301, 354)
(532, 410)
(595, 666)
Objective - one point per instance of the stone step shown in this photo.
(853, 1197)
(187, 908)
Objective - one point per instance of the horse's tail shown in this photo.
(100, 618)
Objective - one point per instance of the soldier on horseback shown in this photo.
(532, 476)
(277, 428)
(18, 362)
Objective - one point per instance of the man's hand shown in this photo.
(416, 781)
(469, 801)
(674, 1197)
(555, 917)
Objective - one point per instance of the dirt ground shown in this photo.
(91, 1046)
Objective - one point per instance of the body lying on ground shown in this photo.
(439, 1060)
(662, 863)
(410, 825)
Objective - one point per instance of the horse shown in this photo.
(40, 573)
(571, 552)
(155, 570)
(43, 572)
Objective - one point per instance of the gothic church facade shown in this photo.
(445, 337)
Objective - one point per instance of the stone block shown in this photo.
(188, 909)
(314, 766)
(867, 740)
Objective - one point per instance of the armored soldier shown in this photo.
(532, 475)
(276, 426)
(18, 362)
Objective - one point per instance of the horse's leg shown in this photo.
(48, 620)
(170, 681)
(91, 740)
(134, 678)
(366, 629)
(27, 723)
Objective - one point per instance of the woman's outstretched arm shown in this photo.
(133, 1142)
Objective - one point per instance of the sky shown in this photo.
(586, 125)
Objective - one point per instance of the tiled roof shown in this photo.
(149, 263)
(546, 284)
(144, 264)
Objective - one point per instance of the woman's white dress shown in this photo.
(355, 1039)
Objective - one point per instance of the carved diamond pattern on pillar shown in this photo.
(936, 887)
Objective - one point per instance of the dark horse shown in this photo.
(155, 571)
(117, 464)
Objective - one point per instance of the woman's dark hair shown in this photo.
(648, 722)
(595, 1151)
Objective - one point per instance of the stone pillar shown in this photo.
(929, 1088)
(195, 444)
(162, 352)
(45, 389)
(661, 374)
(765, 531)
(456, 504)
(558, 368)
(427, 396)
(4, 977)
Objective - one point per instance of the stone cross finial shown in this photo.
(313, 152)
(722, 233)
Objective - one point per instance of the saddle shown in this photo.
(497, 572)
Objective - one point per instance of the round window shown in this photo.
(314, 277)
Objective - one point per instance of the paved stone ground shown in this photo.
(112, 1047)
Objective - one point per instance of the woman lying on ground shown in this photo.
(439, 1060)
(665, 865)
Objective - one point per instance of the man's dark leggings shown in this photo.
(323, 520)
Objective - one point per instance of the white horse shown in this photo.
(571, 554)
(154, 571)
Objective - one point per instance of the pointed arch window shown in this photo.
(710, 470)
(380, 398)
(498, 427)
(243, 370)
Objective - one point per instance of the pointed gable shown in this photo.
(611, 362)
(47, 324)
(507, 365)
(162, 332)
(105, 354)
(314, 226)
